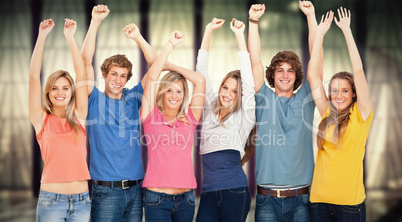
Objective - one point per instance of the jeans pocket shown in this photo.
(151, 200)
(304, 199)
(351, 208)
(45, 201)
(191, 199)
(260, 199)
(313, 205)
(238, 190)
(100, 192)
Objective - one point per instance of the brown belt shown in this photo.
(283, 193)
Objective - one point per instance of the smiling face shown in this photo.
(284, 78)
(341, 94)
(60, 93)
(115, 80)
(228, 93)
(173, 96)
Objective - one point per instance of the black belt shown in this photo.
(125, 184)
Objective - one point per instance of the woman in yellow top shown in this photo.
(337, 191)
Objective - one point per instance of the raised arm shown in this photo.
(248, 101)
(132, 32)
(36, 112)
(99, 13)
(203, 56)
(238, 28)
(212, 26)
(362, 91)
(315, 67)
(308, 9)
(254, 44)
(81, 89)
(148, 97)
(198, 96)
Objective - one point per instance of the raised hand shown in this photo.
(176, 38)
(237, 26)
(344, 18)
(307, 7)
(70, 26)
(131, 31)
(100, 12)
(46, 26)
(256, 11)
(325, 23)
(215, 24)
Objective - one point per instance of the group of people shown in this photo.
(289, 186)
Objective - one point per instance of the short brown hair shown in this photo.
(119, 61)
(285, 57)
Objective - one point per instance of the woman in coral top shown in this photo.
(337, 191)
(169, 125)
(64, 187)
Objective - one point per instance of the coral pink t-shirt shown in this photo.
(169, 151)
(64, 156)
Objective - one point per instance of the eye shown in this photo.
(235, 91)
(345, 91)
(113, 74)
(180, 91)
(224, 87)
(169, 90)
(123, 76)
(65, 88)
(280, 70)
(334, 91)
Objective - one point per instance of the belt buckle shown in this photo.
(122, 184)
(278, 194)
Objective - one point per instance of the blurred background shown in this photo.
(376, 25)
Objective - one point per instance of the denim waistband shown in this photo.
(179, 196)
(58, 196)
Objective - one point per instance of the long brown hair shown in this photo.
(341, 120)
(164, 84)
(237, 104)
(250, 146)
(48, 106)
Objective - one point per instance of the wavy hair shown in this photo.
(341, 120)
(285, 57)
(165, 82)
(237, 104)
(119, 61)
(48, 106)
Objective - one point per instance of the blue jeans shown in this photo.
(270, 208)
(63, 207)
(116, 203)
(167, 207)
(333, 212)
(224, 205)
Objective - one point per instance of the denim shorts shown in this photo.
(63, 207)
(168, 207)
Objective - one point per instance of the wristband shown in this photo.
(172, 43)
(253, 21)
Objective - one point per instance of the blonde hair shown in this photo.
(48, 106)
(341, 120)
(237, 104)
(164, 85)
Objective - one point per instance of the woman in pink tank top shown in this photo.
(64, 186)
(169, 125)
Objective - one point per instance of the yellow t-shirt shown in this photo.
(338, 173)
